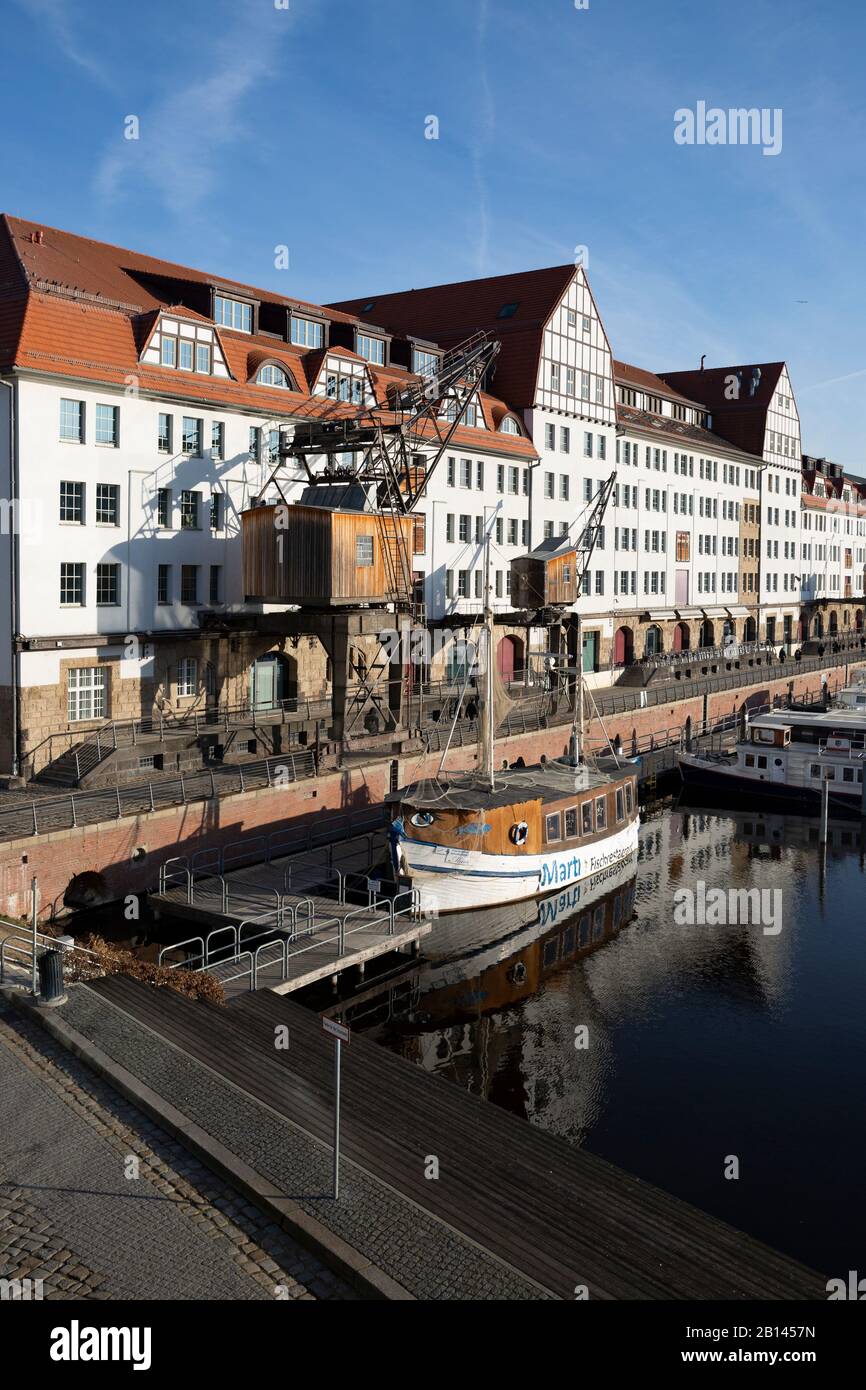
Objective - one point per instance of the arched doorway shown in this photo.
(509, 658)
(729, 633)
(623, 647)
(834, 623)
(858, 620)
(273, 679)
(682, 637)
(804, 628)
(750, 630)
(653, 645)
(707, 636)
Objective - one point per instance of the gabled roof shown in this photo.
(712, 385)
(447, 314)
(742, 420)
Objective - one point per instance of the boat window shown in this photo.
(750, 760)
(571, 823)
(847, 774)
(586, 825)
(569, 937)
(551, 952)
(584, 931)
(620, 808)
(764, 735)
(762, 761)
(814, 769)
(830, 774)
(598, 924)
(628, 796)
(600, 813)
(552, 831)
(777, 762)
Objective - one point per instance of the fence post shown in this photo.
(117, 794)
(182, 790)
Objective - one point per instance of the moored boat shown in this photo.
(488, 837)
(787, 756)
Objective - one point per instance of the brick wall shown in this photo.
(108, 849)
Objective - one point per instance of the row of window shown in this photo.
(588, 818)
(469, 583)
(464, 473)
(465, 529)
(567, 382)
(594, 446)
(73, 584)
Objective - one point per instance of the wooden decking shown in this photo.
(292, 927)
(559, 1215)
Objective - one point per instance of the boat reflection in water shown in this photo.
(460, 1014)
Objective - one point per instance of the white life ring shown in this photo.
(519, 833)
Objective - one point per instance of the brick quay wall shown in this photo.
(125, 855)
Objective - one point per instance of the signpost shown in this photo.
(341, 1034)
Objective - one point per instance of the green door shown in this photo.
(590, 651)
(265, 684)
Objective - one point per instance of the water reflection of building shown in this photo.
(482, 974)
(497, 1002)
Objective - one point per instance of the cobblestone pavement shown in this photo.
(429, 1258)
(99, 1203)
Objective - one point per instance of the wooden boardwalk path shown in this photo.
(562, 1217)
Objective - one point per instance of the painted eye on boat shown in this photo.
(423, 818)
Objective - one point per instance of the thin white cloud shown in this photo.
(184, 135)
(60, 19)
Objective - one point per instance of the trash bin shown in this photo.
(50, 964)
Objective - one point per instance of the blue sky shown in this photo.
(304, 126)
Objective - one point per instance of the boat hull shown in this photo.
(456, 880)
(717, 776)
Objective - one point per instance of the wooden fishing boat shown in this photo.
(489, 837)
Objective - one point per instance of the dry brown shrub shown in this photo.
(108, 959)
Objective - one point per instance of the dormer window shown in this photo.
(233, 313)
(371, 348)
(509, 425)
(424, 362)
(272, 375)
(308, 333)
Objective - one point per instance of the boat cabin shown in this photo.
(532, 811)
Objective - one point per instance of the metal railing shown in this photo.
(67, 812)
(322, 834)
(91, 746)
(20, 942)
(406, 902)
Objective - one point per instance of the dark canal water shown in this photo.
(703, 1041)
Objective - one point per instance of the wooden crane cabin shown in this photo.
(322, 558)
(546, 577)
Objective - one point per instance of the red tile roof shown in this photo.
(677, 431)
(629, 375)
(80, 265)
(447, 314)
(743, 421)
(75, 308)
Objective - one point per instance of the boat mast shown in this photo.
(489, 712)
(576, 749)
